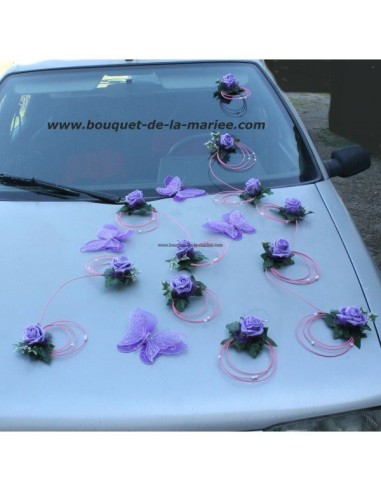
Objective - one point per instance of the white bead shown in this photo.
(219, 357)
(312, 342)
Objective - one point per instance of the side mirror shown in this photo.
(348, 161)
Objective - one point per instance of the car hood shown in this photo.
(100, 388)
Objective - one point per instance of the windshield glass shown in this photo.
(115, 129)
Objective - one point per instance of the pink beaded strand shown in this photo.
(309, 341)
(312, 275)
(73, 342)
(243, 95)
(211, 305)
(140, 228)
(240, 375)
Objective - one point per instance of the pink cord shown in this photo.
(306, 338)
(141, 227)
(268, 275)
(312, 275)
(246, 163)
(100, 262)
(243, 95)
(217, 258)
(227, 194)
(245, 376)
(58, 289)
(73, 343)
(211, 303)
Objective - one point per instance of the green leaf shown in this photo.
(233, 327)
(181, 304)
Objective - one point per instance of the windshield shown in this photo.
(115, 129)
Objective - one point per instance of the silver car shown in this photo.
(177, 255)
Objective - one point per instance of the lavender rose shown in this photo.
(184, 247)
(229, 80)
(251, 326)
(292, 206)
(34, 334)
(280, 248)
(121, 264)
(226, 141)
(135, 198)
(253, 186)
(351, 315)
(182, 285)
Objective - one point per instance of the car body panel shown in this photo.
(100, 388)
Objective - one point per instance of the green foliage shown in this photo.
(254, 199)
(41, 351)
(347, 331)
(294, 217)
(119, 280)
(253, 345)
(141, 209)
(270, 262)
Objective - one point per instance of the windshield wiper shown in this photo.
(39, 186)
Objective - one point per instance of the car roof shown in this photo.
(89, 63)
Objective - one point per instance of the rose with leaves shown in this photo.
(36, 343)
(293, 210)
(349, 322)
(120, 273)
(179, 290)
(134, 203)
(254, 191)
(249, 334)
(186, 256)
(277, 254)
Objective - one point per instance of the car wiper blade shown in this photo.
(61, 190)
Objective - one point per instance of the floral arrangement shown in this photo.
(349, 322)
(180, 289)
(120, 273)
(248, 334)
(254, 191)
(134, 203)
(223, 144)
(36, 343)
(173, 187)
(185, 256)
(229, 85)
(277, 254)
(293, 210)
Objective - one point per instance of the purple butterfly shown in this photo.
(174, 188)
(233, 225)
(142, 324)
(110, 238)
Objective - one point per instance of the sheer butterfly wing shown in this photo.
(188, 193)
(172, 186)
(142, 324)
(122, 236)
(95, 245)
(239, 222)
(163, 343)
(224, 228)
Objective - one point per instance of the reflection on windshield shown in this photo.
(115, 128)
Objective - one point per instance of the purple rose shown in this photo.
(280, 248)
(135, 198)
(292, 205)
(351, 315)
(34, 334)
(251, 326)
(184, 247)
(226, 141)
(229, 80)
(253, 186)
(121, 264)
(182, 285)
